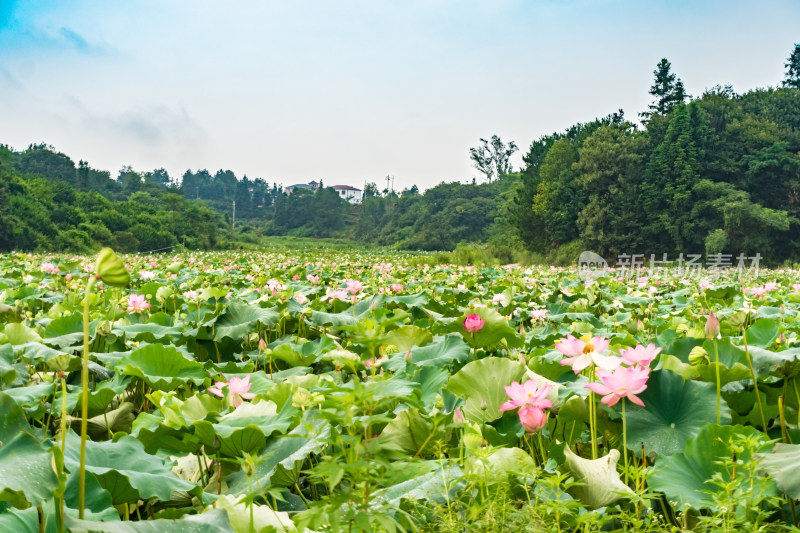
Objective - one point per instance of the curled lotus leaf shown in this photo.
(601, 485)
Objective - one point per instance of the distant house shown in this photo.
(351, 194)
(312, 185)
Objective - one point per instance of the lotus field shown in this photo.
(334, 391)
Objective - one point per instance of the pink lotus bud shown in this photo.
(458, 416)
(408, 356)
(473, 323)
(261, 344)
(532, 419)
(639, 325)
(712, 326)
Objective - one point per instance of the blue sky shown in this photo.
(350, 91)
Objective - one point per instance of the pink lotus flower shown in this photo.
(335, 294)
(583, 352)
(640, 355)
(50, 268)
(624, 382)
(313, 279)
(354, 286)
(796, 287)
(538, 314)
(532, 419)
(301, 298)
(147, 274)
(531, 401)
(473, 323)
(396, 287)
(137, 303)
(526, 395)
(237, 389)
(191, 294)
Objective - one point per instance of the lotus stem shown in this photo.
(592, 414)
(787, 439)
(84, 398)
(755, 383)
(624, 444)
(716, 369)
(797, 399)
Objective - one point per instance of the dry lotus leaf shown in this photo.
(601, 485)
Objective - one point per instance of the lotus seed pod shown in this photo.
(301, 398)
(698, 356)
(681, 330)
(104, 328)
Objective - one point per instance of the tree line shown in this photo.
(718, 173)
(715, 173)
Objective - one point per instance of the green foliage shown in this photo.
(720, 174)
(48, 203)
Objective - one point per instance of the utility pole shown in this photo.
(387, 184)
(392, 183)
(233, 223)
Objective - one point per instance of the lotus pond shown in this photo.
(333, 391)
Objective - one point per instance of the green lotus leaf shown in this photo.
(213, 521)
(162, 367)
(408, 337)
(67, 331)
(18, 333)
(148, 332)
(440, 353)
(246, 431)
(686, 477)
(285, 451)
(482, 383)
(246, 518)
(103, 426)
(125, 470)
(674, 411)
(495, 329)
(763, 332)
(8, 372)
(411, 434)
(437, 487)
(783, 464)
(154, 434)
(27, 477)
(600, 484)
(334, 320)
(239, 320)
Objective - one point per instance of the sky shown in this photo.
(352, 91)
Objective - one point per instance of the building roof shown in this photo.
(345, 188)
(300, 186)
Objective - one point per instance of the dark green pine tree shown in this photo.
(793, 69)
(667, 90)
(668, 182)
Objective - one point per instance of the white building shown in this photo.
(351, 194)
